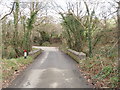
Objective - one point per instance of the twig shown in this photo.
(9, 12)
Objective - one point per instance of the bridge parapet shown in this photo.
(81, 55)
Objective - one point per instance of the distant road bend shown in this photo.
(51, 69)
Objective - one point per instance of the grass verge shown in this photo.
(12, 67)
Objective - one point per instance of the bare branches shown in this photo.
(9, 12)
(57, 7)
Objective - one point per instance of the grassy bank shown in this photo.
(12, 67)
(99, 71)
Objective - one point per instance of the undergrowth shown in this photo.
(101, 69)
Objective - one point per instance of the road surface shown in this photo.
(51, 69)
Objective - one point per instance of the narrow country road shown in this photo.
(51, 69)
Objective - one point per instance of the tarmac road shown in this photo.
(51, 69)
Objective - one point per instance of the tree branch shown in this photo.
(9, 12)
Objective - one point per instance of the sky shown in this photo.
(104, 6)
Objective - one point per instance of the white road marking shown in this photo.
(55, 69)
(68, 79)
(54, 85)
(33, 78)
(44, 58)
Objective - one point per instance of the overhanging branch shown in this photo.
(9, 12)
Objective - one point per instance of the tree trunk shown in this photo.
(15, 35)
(89, 39)
(118, 15)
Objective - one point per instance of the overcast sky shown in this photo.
(103, 6)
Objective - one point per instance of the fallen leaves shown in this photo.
(91, 68)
